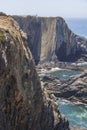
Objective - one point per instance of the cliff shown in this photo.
(49, 39)
(24, 105)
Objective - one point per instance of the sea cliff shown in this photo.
(24, 104)
(50, 39)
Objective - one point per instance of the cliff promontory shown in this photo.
(49, 38)
(24, 105)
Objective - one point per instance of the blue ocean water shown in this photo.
(78, 26)
(76, 114)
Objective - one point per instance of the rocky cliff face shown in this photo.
(24, 105)
(50, 38)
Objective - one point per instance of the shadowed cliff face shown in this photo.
(50, 39)
(32, 27)
(65, 41)
(24, 105)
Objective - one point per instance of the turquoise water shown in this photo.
(65, 74)
(76, 114)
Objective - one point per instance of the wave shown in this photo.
(55, 69)
(80, 64)
(76, 114)
(51, 70)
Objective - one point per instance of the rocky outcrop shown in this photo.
(50, 39)
(73, 89)
(24, 105)
(76, 128)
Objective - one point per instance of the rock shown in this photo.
(76, 128)
(50, 39)
(24, 104)
(74, 89)
(79, 86)
(2, 14)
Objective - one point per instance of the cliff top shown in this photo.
(40, 17)
(7, 23)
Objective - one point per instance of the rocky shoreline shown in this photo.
(76, 128)
(74, 89)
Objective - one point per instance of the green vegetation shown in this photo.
(7, 31)
(2, 37)
(50, 95)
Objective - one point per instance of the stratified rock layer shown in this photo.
(51, 39)
(23, 104)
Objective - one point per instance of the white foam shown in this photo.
(55, 69)
(82, 64)
(43, 70)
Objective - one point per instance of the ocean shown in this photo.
(78, 26)
(76, 114)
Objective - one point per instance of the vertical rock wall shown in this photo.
(50, 38)
(24, 105)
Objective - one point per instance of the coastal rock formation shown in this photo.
(76, 128)
(49, 39)
(73, 89)
(24, 105)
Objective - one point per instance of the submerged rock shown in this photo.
(24, 105)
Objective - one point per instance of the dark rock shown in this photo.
(74, 89)
(76, 128)
(2, 14)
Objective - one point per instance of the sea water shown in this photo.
(65, 74)
(76, 114)
(78, 26)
